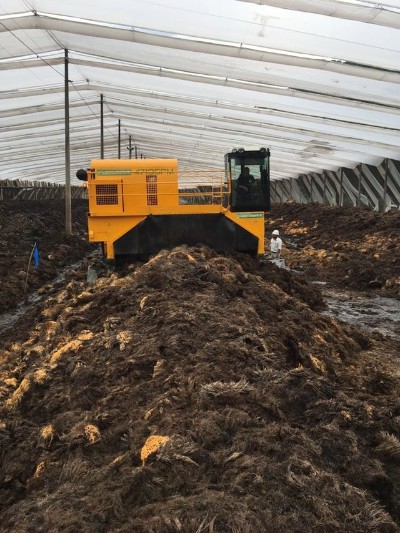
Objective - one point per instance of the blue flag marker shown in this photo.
(36, 256)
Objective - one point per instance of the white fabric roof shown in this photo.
(317, 81)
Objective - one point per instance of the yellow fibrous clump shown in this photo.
(92, 433)
(40, 376)
(152, 445)
(18, 394)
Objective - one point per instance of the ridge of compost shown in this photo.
(265, 415)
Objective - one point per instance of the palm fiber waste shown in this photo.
(24, 223)
(195, 393)
(355, 247)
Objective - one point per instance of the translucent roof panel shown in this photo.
(316, 81)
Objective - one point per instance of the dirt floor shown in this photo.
(354, 248)
(264, 415)
(26, 222)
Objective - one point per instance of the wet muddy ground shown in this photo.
(352, 255)
(10, 318)
(198, 392)
(372, 313)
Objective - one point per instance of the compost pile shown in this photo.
(351, 247)
(22, 224)
(193, 395)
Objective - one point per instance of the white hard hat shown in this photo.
(275, 232)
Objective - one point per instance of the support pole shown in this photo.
(359, 187)
(119, 139)
(341, 188)
(101, 126)
(324, 193)
(300, 188)
(130, 147)
(386, 181)
(68, 221)
(135, 152)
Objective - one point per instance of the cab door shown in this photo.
(249, 174)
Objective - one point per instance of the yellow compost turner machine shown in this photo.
(139, 206)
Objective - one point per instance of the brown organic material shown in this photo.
(354, 248)
(278, 419)
(26, 222)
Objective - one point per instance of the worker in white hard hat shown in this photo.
(276, 245)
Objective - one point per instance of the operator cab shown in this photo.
(248, 171)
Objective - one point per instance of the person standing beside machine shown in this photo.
(276, 245)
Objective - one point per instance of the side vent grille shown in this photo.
(151, 187)
(107, 194)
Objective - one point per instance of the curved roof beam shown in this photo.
(154, 70)
(49, 22)
(106, 88)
